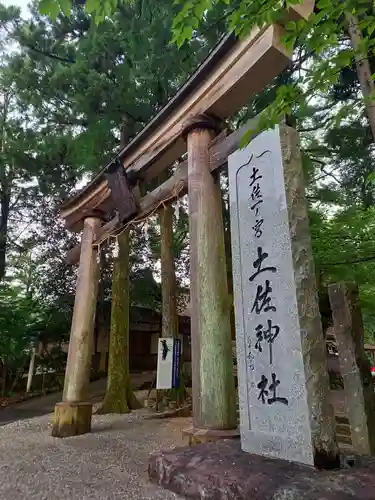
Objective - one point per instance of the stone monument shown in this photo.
(283, 382)
(285, 411)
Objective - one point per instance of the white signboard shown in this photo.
(168, 372)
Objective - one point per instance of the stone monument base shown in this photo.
(221, 470)
(71, 419)
(199, 436)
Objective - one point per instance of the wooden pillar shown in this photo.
(354, 366)
(214, 399)
(168, 278)
(73, 415)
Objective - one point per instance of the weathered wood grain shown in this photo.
(214, 400)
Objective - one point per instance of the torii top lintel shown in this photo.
(233, 72)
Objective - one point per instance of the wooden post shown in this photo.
(214, 400)
(31, 370)
(354, 366)
(73, 415)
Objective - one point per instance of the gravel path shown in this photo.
(42, 405)
(108, 464)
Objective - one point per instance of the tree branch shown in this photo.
(49, 54)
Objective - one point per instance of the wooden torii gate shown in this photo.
(192, 122)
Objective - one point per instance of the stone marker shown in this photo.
(283, 381)
(354, 366)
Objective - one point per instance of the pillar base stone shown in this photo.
(71, 419)
(197, 435)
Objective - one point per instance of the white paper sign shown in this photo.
(165, 364)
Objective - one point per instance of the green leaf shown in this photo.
(185, 35)
(49, 8)
(246, 139)
(44, 6)
(199, 10)
(324, 4)
(370, 179)
(92, 6)
(66, 7)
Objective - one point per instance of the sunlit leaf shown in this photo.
(370, 179)
(49, 8)
(66, 6)
(92, 6)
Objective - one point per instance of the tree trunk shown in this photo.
(363, 68)
(168, 278)
(100, 318)
(168, 291)
(4, 378)
(119, 397)
(17, 376)
(4, 217)
(228, 254)
(5, 186)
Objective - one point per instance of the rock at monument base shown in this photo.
(71, 419)
(222, 471)
(200, 436)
